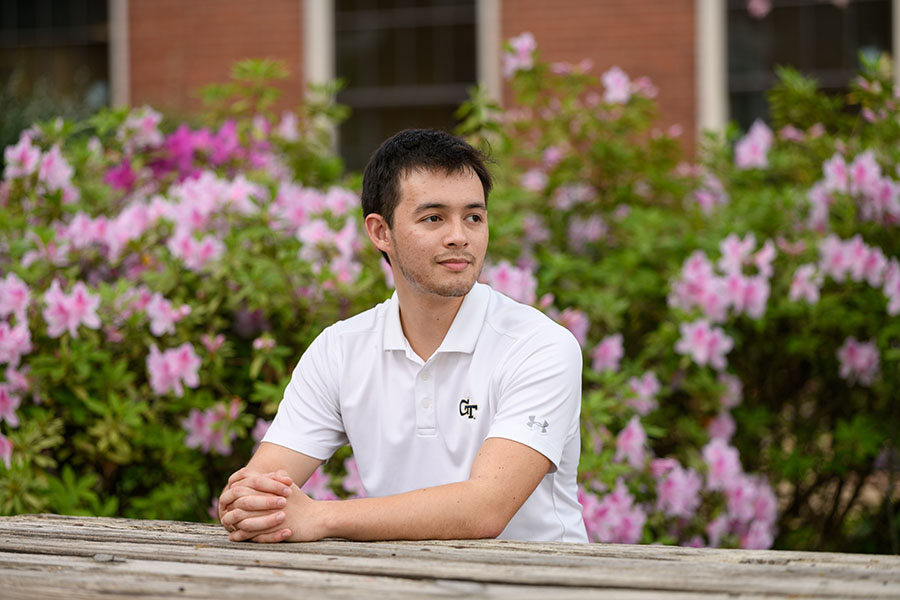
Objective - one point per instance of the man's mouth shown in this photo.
(454, 263)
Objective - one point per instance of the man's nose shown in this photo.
(457, 236)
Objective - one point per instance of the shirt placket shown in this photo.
(425, 418)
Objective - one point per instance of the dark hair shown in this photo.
(409, 150)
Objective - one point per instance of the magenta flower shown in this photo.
(630, 443)
(6, 448)
(678, 492)
(715, 529)
(22, 159)
(195, 254)
(141, 129)
(318, 486)
(752, 150)
(14, 342)
(67, 312)
(758, 537)
(208, 430)
(704, 344)
(9, 402)
(518, 284)
(723, 464)
(617, 86)
(17, 380)
(736, 252)
(121, 177)
(615, 518)
(15, 296)
(352, 482)
(864, 173)
(859, 361)
(608, 353)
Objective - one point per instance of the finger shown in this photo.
(272, 538)
(241, 535)
(242, 473)
(239, 491)
(235, 518)
(259, 502)
(255, 522)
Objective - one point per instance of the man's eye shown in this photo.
(431, 219)
(476, 218)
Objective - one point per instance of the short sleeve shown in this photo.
(539, 392)
(309, 418)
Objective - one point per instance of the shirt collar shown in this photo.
(463, 332)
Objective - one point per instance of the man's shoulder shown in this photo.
(368, 321)
(510, 318)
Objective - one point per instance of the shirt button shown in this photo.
(425, 376)
(426, 402)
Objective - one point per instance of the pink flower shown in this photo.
(352, 483)
(710, 194)
(721, 427)
(834, 260)
(836, 175)
(645, 389)
(18, 380)
(521, 57)
(763, 259)
(318, 486)
(791, 133)
(9, 402)
(678, 492)
(6, 449)
(752, 150)
(173, 369)
(700, 287)
(577, 322)
(806, 284)
(195, 253)
(209, 430)
(865, 173)
(263, 343)
(15, 296)
(704, 344)
(736, 252)
(630, 443)
(339, 200)
(615, 519)
(759, 8)
(660, 466)
(723, 464)
(733, 393)
(14, 342)
(287, 128)
(585, 231)
(518, 284)
(758, 537)
(644, 86)
(534, 229)
(163, 316)
(141, 129)
(54, 173)
(551, 156)
(66, 312)
(607, 354)
(212, 344)
(859, 361)
(715, 529)
(569, 195)
(260, 429)
(617, 86)
(534, 180)
(388, 273)
(22, 159)
(892, 287)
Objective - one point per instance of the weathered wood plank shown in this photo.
(490, 564)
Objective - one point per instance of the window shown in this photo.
(405, 63)
(817, 38)
(57, 48)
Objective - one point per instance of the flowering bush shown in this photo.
(159, 280)
(736, 314)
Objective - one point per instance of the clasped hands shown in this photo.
(267, 508)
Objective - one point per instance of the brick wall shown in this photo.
(177, 46)
(644, 37)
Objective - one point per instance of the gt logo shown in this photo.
(466, 409)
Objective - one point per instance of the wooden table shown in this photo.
(49, 556)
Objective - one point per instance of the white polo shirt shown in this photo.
(503, 370)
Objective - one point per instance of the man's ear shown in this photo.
(379, 232)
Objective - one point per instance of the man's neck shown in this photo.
(426, 318)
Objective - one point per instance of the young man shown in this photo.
(461, 405)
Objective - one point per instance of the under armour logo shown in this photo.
(533, 423)
(466, 409)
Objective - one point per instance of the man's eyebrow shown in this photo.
(442, 206)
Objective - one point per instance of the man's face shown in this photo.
(440, 232)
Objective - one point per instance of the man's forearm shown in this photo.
(463, 510)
